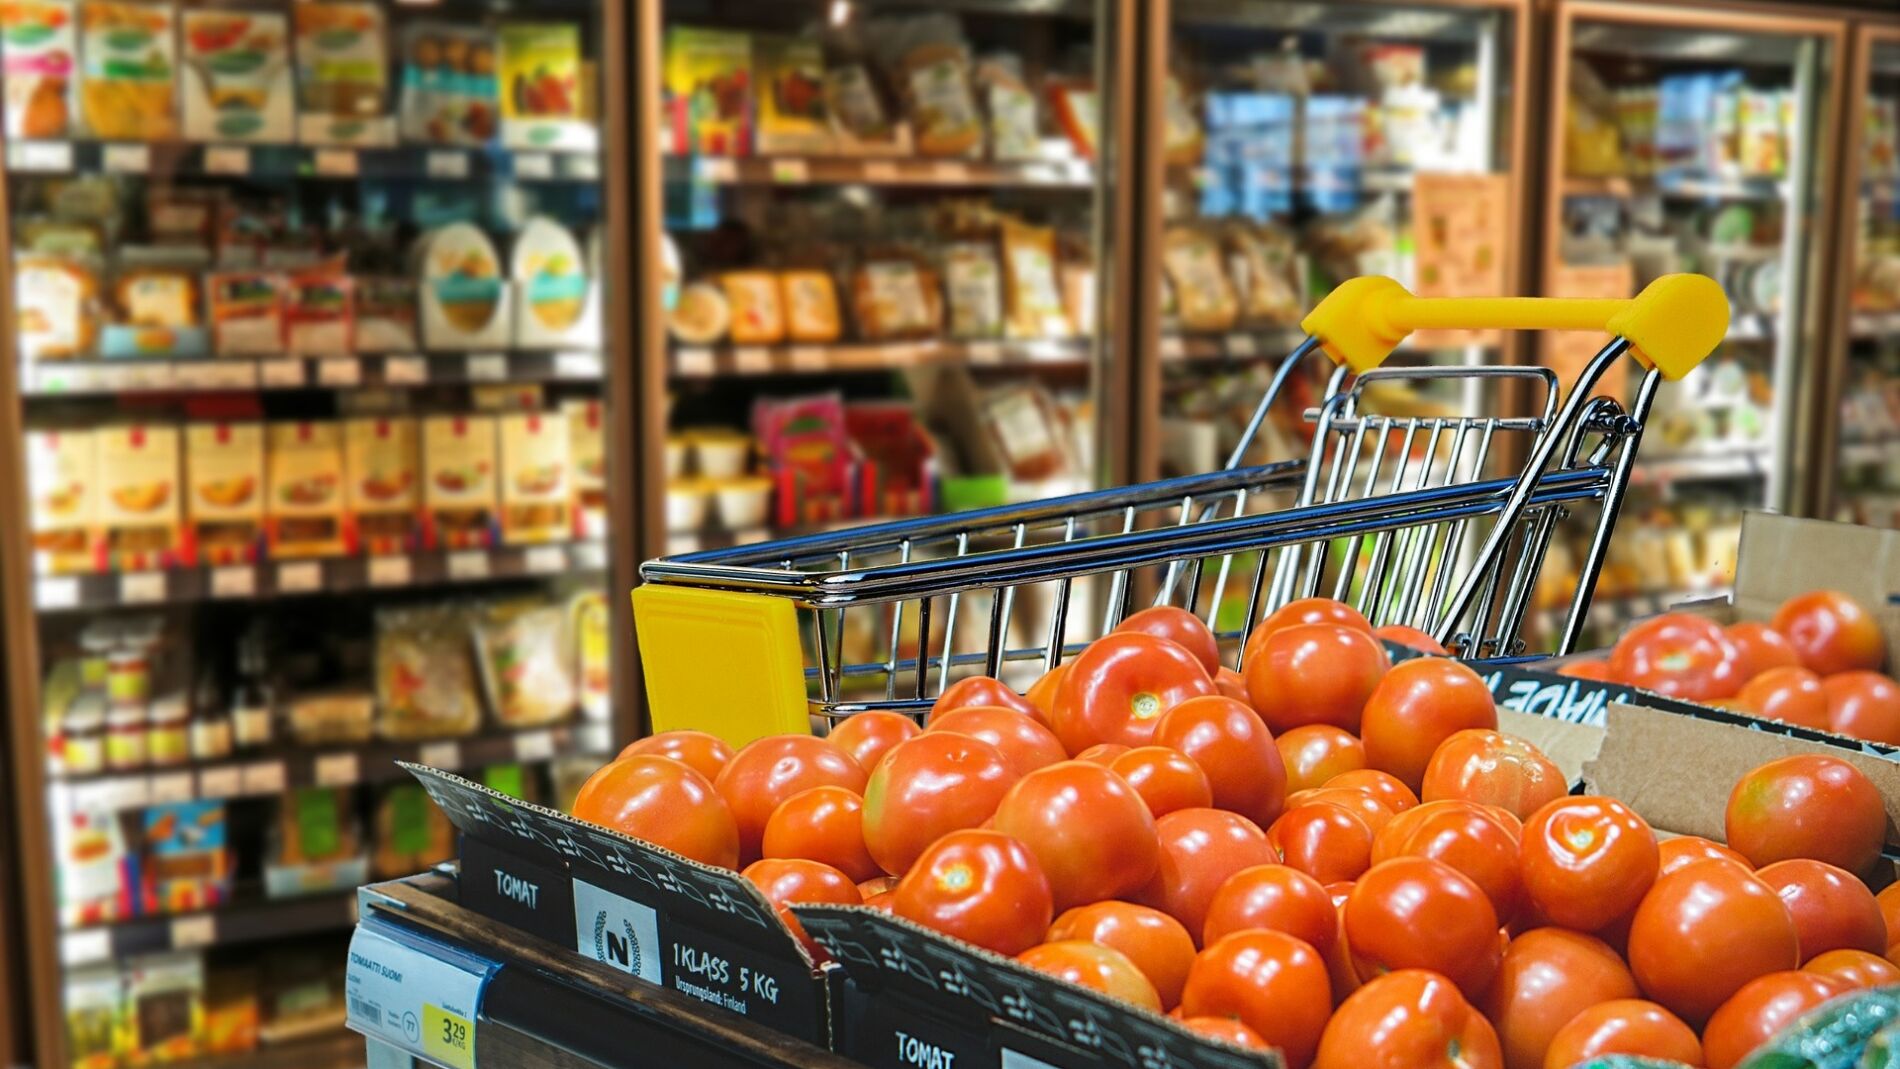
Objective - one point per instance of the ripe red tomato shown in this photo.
(1154, 941)
(700, 751)
(1889, 901)
(1417, 706)
(876, 885)
(1623, 1026)
(1275, 984)
(927, 787)
(1495, 769)
(1166, 779)
(1302, 611)
(1679, 655)
(1416, 913)
(1225, 1028)
(1180, 627)
(1703, 931)
(663, 802)
(769, 770)
(1832, 909)
(1315, 674)
(1807, 805)
(980, 690)
(1095, 967)
(1409, 1019)
(1339, 956)
(1090, 832)
(1118, 687)
(1587, 861)
(823, 824)
(1790, 695)
(1200, 849)
(1232, 684)
(1758, 648)
(1028, 745)
(1353, 800)
(1278, 897)
(1103, 753)
(1592, 668)
(1384, 788)
(1831, 632)
(1327, 842)
(884, 901)
(1764, 1006)
(1863, 705)
(784, 881)
(1465, 836)
(1316, 753)
(1548, 976)
(982, 887)
(866, 737)
(1682, 849)
(1042, 693)
(1234, 749)
(1411, 637)
(1855, 968)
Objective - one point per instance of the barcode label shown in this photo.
(366, 1010)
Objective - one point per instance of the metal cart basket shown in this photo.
(1410, 516)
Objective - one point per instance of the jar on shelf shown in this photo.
(127, 737)
(168, 732)
(82, 732)
(129, 676)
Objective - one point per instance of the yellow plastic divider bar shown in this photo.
(720, 661)
(1672, 326)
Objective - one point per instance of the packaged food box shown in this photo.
(138, 505)
(237, 84)
(94, 998)
(62, 477)
(808, 455)
(319, 314)
(165, 1018)
(556, 297)
(425, 677)
(342, 74)
(39, 52)
(224, 504)
(587, 458)
(247, 312)
(449, 87)
(383, 504)
(589, 623)
(544, 91)
(315, 845)
(464, 298)
(458, 489)
(792, 116)
(707, 91)
(385, 314)
(1032, 297)
(758, 313)
(304, 516)
(128, 71)
(810, 302)
(536, 499)
(232, 1011)
(410, 833)
(56, 303)
(332, 716)
(929, 63)
(188, 862)
(157, 312)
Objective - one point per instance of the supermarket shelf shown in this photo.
(699, 362)
(331, 1049)
(238, 582)
(252, 921)
(408, 162)
(1874, 324)
(1053, 173)
(77, 378)
(1678, 184)
(1637, 603)
(721, 538)
(1738, 463)
(291, 767)
(1244, 344)
(1870, 450)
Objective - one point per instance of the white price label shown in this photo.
(57, 592)
(299, 577)
(43, 156)
(263, 777)
(696, 363)
(280, 373)
(141, 588)
(1242, 345)
(216, 375)
(544, 560)
(224, 781)
(236, 581)
(986, 352)
(790, 172)
(405, 370)
(338, 770)
(1013, 1060)
(198, 930)
(752, 360)
(468, 564)
(595, 737)
(342, 371)
(582, 168)
(127, 159)
(880, 171)
(534, 745)
(950, 171)
(443, 755)
(487, 367)
(169, 787)
(389, 571)
(415, 994)
(84, 946)
(336, 162)
(534, 165)
(716, 169)
(618, 931)
(227, 159)
(447, 165)
(808, 358)
(577, 365)
(1173, 347)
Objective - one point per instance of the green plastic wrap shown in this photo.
(1833, 1035)
(1627, 1061)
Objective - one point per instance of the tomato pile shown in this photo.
(1324, 853)
(1816, 663)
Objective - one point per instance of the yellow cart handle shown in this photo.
(1672, 326)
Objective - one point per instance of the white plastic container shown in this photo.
(744, 502)
(722, 456)
(686, 505)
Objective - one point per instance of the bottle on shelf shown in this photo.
(253, 702)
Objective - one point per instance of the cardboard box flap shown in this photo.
(890, 956)
(1569, 744)
(1677, 771)
(1781, 556)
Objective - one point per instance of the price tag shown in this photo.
(1242, 345)
(950, 171)
(808, 358)
(544, 560)
(389, 571)
(1173, 347)
(487, 367)
(343, 371)
(280, 373)
(236, 581)
(126, 159)
(468, 564)
(534, 745)
(336, 162)
(590, 556)
(264, 777)
(415, 994)
(534, 165)
(405, 370)
(227, 159)
(141, 588)
(198, 930)
(42, 156)
(447, 165)
(82, 947)
(444, 755)
(583, 168)
(170, 787)
(338, 770)
(299, 577)
(595, 737)
(577, 365)
(224, 781)
(216, 375)
(716, 169)
(880, 171)
(697, 363)
(752, 360)
(986, 352)
(790, 172)
(57, 592)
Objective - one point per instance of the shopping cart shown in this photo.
(1395, 510)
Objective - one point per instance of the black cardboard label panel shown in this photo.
(533, 897)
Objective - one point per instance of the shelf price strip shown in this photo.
(415, 993)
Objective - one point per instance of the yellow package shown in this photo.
(536, 473)
(1032, 300)
(128, 71)
(382, 502)
(458, 489)
(758, 316)
(587, 453)
(61, 469)
(1192, 259)
(304, 515)
(811, 306)
(224, 500)
(138, 495)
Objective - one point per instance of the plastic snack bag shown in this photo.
(929, 62)
(425, 682)
(527, 663)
